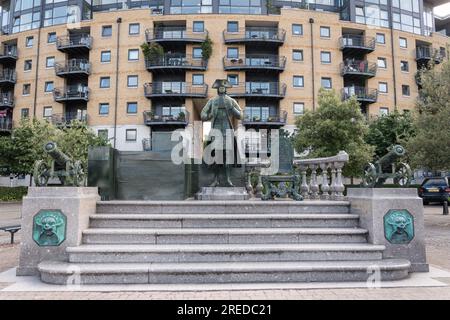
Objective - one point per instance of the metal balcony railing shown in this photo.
(255, 61)
(351, 41)
(74, 41)
(428, 53)
(71, 93)
(263, 119)
(359, 68)
(181, 118)
(255, 34)
(9, 52)
(73, 66)
(258, 89)
(175, 89)
(175, 61)
(8, 75)
(6, 99)
(5, 123)
(64, 119)
(362, 94)
(175, 33)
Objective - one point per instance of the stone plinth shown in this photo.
(222, 193)
(74, 204)
(375, 208)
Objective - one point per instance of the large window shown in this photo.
(190, 6)
(240, 6)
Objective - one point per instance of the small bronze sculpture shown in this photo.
(220, 111)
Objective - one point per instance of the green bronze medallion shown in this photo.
(49, 228)
(399, 226)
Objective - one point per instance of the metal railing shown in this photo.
(175, 118)
(175, 33)
(428, 53)
(74, 40)
(257, 61)
(255, 34)
(357, 41)
(71, 93)
(64, 119)
(258, 88)
(6, 99)
(175, 60)
(73, 66)
(5, 123)
(325, 177)
(8, 75)
(9, 51)
(174, 89)
(252, 118)
(362, 67)
(361, 93)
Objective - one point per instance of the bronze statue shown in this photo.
(220, 111)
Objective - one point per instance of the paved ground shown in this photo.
(438, 252)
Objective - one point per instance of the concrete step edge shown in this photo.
(202, 216)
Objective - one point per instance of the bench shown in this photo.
(12, 230)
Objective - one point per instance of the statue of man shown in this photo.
(220, 111)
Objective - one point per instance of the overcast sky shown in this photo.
(443, 10)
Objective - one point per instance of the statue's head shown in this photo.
(221, 85)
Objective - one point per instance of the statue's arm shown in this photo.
(236, 109)
(206, 111)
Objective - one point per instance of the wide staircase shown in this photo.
(197, 242)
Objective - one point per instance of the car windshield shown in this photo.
(435, 183)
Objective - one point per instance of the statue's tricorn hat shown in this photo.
(221, 83)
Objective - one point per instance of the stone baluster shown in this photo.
(314, 186)
(304, 188)
(333, 183)
(325, 187)
(339, 186)
(259, 186)
(249, 186)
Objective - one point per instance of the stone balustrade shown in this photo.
(325, 178)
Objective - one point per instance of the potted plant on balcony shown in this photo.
(181, 117)
(152, 52)
(207, 48)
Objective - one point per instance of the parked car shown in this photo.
(435, 189)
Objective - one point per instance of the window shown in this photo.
(297, 29)
(105, 82)
(197, 79)
(24, 113)
(384, 111)
(131, 135)
(325, 32)
(198, 26)
(233, 26)
(29, 42)
(298, 82)
(133, 54)
(299, 108)
(233, 79)
(131, 107)
(28, 65)
(105, 56)
(197, 53)
(382, 63)
(403, 43)
(297, 55)
(232, 53)
(404, 65)
(103, 133)
(48, 112)
(383, 87)
(103, 108)
(106, 31)
(134, 28)
(48, 86)
(26, 89)
(132, 81)
(326, 83)
(325, 57)
(381, 38)
(51, 37)
(50, 62)
(406, 91)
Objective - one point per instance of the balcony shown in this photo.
(66, 119)
(74, 43)
(173, 120)
(255, 62)
(260, 90)
(362, 94)
(355, 44)
(5, 124)
(7, 77)
(175, 90)
(358, 69)
(6, 100)
(73, 68)
(425, 54)
(71, 93)
(175, 63)
(256, 35)
(175, 34)
(8, 54)
(260, 120)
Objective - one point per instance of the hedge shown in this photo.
(12, 194)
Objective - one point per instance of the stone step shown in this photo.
(222, 207)
(225, 272)
(224, 235)
(249, 220)
(223, 253)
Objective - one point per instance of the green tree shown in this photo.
(387, 130)
(336, 125)
(430, 147)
